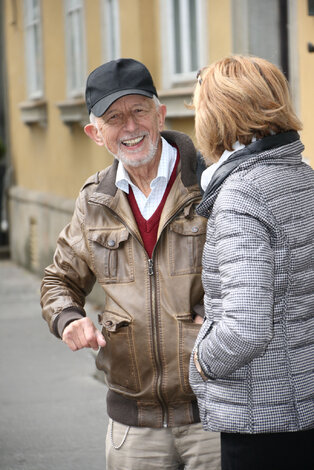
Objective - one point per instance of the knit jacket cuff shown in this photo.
(198, 309)
(65, 317)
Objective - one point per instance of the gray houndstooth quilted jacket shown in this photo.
(256, 346)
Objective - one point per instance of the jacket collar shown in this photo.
(254, 149)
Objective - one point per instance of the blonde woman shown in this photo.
(252, 368)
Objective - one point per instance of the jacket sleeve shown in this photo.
(68, 280)
(242, 248)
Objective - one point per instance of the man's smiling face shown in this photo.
(131, 127)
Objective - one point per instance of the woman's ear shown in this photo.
(94, 134)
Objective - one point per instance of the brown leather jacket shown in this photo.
(148, 314)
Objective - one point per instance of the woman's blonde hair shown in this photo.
(238, 98)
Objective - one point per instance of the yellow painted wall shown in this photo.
(306, 78)
(219, 29)
(140, 32)
(185, 125)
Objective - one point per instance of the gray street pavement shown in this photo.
(52, 408)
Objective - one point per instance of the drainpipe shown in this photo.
(5, 160)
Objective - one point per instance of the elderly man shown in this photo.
(135, 231)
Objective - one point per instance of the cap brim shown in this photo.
(102, 105)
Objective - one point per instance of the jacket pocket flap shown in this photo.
(184, 317)
(113, 321)
(192, 227)
(109, 240)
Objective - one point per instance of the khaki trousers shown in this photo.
(183, 447)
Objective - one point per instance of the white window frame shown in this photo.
(33, 49)
(110, 29)
(75, 47)
(242, 43)
(170, 77)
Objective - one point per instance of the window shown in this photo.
(33, 49)
(184, 39)
(75, 47)
(111, 29)
(260, 28)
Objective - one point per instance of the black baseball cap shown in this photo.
(115, 79)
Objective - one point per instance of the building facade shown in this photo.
(51, 46)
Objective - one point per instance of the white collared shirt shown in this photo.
(148, 205)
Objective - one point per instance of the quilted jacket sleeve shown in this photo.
(68, 280)
(238, 281)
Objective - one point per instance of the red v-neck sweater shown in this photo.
(149, 228)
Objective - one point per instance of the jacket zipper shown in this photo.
(156, 342)
(154, 316)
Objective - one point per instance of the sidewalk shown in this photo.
(52, 409)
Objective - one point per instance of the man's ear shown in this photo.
(94, 134)
(162, 111)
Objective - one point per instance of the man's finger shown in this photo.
(70, 343)
(82, 341)
(100, 339)
(90, 335)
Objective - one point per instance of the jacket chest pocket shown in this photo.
(186, 243)
(112, 255)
